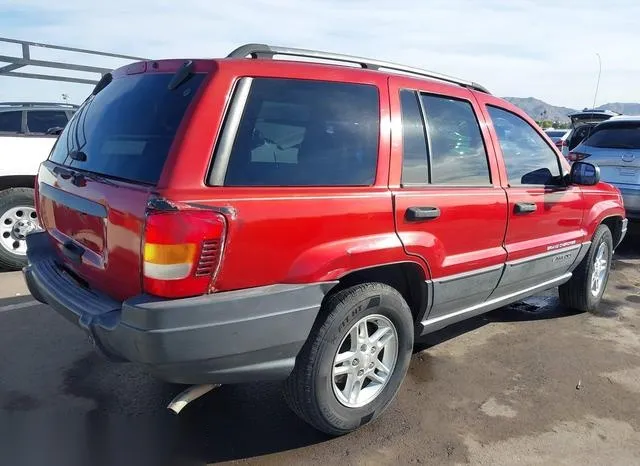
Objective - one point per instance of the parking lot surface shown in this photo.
(529, 384)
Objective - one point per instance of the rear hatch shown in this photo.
(93, 190)
(582, 123)
(615, 147)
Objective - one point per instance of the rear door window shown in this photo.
(456, 148)
(11, 122)
(126, 130)
(615, 136)
(39, 121)
(306, 133)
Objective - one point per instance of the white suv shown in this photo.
(27, 133)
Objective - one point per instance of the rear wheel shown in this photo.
(354, 361)
(17, 218)
(587, 285)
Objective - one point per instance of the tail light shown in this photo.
(182, 251)
(577, 156)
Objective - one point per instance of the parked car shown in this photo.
(614, 146)
(581, 125)
(245, 219)
(24, 144)
(558, 136)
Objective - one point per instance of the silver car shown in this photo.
(614, 146)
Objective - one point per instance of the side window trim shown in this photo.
(553, 151)
(230, 126)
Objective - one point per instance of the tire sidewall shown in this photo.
(603, 235)
(395, 309)
(9, 199)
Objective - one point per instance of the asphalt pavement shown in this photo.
(529, 384)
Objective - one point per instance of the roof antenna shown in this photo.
(595, 95)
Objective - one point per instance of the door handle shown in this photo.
(525, 208)
(417, 214)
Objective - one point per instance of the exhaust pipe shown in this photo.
(187, 396)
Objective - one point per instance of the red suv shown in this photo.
(247, 218)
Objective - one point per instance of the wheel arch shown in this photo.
(408, 278)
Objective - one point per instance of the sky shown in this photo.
(523, 48)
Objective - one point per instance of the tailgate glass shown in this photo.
(126, 130)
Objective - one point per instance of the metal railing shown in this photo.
(268, 51)
(16, 63)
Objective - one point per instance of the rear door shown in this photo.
(94, 188)
(450, 209)
(545, 216)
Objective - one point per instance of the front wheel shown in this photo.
(354, 361)
(17, 218)
(583, 292)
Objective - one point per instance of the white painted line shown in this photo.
(13, 307)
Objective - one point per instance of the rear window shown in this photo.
(624, 136)
(126, 130)
(306, 133)
(555, 134)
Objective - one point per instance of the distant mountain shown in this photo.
(622, 107)
(540, 110)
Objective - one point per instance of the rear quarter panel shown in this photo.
(286, 234)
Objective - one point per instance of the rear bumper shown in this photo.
(228, 337)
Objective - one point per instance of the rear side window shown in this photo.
(528, 158)
(39, 121)
(618, 136)
(306, 133)
(11, 122)
(126, 130)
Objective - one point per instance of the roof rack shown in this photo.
(15, 63)
(37, 104)
(268, 51)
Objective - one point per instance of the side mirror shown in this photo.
(584, 173)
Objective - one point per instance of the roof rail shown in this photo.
(268, 51)
(38, 104)
(15, 63)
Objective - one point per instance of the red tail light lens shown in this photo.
(182, 252)
(577, 156)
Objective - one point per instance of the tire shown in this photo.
(13, 258)
(577, 292)
(310, 389)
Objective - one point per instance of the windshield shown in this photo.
(126, 130)
(624, 136)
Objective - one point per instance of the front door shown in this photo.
(450, 209)
(545, 232)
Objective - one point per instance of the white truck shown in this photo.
(27, 134)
